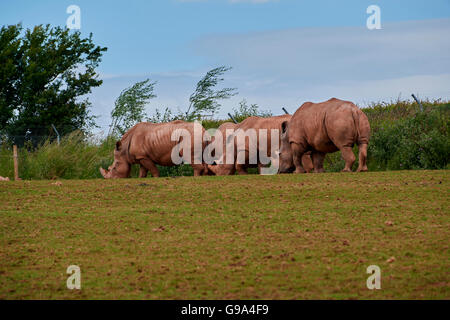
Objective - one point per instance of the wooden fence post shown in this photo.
(16, 164)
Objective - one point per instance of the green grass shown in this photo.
(308, 236)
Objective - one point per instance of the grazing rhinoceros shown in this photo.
(245, 146)
(324, 128)
(149, 144)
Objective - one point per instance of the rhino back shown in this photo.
(268, 124)
(153, 141)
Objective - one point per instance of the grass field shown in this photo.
(308, 236)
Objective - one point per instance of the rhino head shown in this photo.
(286, 161)
(121, 167)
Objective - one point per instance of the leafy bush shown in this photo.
(244, 111)
(417, 142)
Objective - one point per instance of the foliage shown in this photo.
(11, 54)
(240, 113)
(204, 100)
(129, 107)
(244, 111)
(44, 75)
(213, 123)
(166, 116)
(418, 142)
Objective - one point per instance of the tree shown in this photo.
(205, 98)
(44, 75)
(10, 56)
(129, 107)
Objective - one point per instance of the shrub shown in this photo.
(417, 142)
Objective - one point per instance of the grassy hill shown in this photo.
(308, 236)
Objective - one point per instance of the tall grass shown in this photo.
(402, 137)
(77, 157)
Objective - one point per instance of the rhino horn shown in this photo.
(103, 172)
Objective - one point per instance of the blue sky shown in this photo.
(282, 52)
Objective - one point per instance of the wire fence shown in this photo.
(34, 136)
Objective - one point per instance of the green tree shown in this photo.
(129, 107)
(205, 98)
(45, 74)
(10, 56)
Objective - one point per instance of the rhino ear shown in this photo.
(284, 126)
(118, 145)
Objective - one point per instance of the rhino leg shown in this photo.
(261, 166)
(297, 153)
(307, 162)
(362, 167)
(241, 162)
(318, 158)
(349, 158)
(149, 165)
(241, 169)
(142, 171)
(199, 169)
